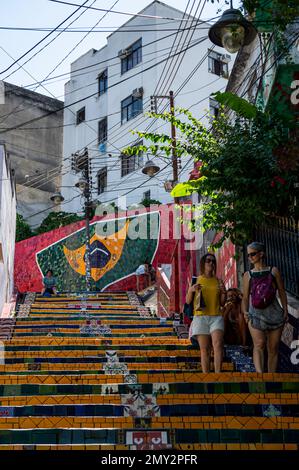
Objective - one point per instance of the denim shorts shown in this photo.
(205, 325)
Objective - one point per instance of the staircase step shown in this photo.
(90, 371)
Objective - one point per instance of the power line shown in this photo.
(4, 130)
(98, 155)
(120, 12)
(14, 111)
(252, 66)
(81, 40)
(43, 39)
(113, 29)
(40, 83)
(75, 75)
(163, 124)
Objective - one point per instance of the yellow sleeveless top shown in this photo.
(211, 296)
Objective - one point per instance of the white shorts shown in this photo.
(205, 325)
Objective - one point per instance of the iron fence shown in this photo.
(281, 238)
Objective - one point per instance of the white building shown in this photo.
(7, 229)
(110, 91)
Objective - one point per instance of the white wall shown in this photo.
(194, 96)
(7, 230)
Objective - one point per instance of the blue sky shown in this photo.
(45, 14)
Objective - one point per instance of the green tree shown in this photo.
(23, 229)
(147, 202)
(56, 220)
(243, 180)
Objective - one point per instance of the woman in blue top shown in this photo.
(49, 283)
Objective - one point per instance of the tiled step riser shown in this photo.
(92, 352)
(183, 390)
(182, 361)
(180, 436)
(75, 329)
(30, 322)
(143, 378)
(122, 341)
(60, 383)
(178, 447)
(57, 351)
(129, 422)
(273, 404)
(176, 411)
(66, 369)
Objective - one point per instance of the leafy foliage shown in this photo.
(278, 12)
(23, 229)
(56, 220)
(242, 180)
(149, 202)
(237, 104)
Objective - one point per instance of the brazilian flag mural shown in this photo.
(117, 248)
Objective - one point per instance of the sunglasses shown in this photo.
(210, 260)
(254, 253)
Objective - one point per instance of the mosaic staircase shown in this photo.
(103, 373)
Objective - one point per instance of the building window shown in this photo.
(102, 131)
(131, 107)
(130, 163)
(103, 82)
(214, 108)
(80, 117)
(218, 63)
(102, 180)
(132, 56)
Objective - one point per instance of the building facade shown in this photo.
(35, 149)
(7, 228)
(110, 91)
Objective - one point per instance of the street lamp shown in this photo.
(82, 184)
(232, 31)
(150, 169)
(57, 198)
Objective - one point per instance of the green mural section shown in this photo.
(117, 248)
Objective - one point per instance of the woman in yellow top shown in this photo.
(207, 326)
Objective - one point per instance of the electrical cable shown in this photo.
(43, 39)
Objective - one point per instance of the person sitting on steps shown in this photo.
(235, 328)
(49, 283)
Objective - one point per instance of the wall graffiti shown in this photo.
(114, 255)
(117, 245)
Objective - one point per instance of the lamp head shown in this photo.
(150, 169)
(57, 198)
(232, 31)
(82, 184)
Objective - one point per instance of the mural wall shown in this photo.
(117, 245)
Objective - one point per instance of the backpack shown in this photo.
(262, 291)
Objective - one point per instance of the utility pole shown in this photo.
(170, 97)
(81, 163)
(87, 209)
(175, 178)
(173, 137)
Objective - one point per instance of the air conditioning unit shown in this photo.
(138, 92)
(123, 53)
(226, 58)
(225, 74)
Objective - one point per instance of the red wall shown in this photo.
(226, 263)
